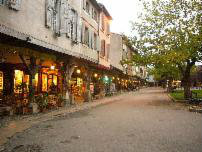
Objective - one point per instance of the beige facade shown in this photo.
(55, 26)
(104, 33)
(116, 52)
(89, 28)
(127, 55)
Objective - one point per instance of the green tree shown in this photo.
(169, 32)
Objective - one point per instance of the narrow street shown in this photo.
(143, 121)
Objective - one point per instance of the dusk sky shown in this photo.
(122, 13)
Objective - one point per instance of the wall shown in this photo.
(116, 48)
(104, 35)
(30, 20)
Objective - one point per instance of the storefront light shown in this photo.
(52, 67)
(95, 75)
(106, 78)
(78, 71)
(113, 78)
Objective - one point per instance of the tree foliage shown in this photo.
(170, 36)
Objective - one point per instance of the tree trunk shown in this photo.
(186, 80)
(187, 90)
(187, 83)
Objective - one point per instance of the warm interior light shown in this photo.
(52, 67)
(78, 71)
(95, 75)
(113, 78)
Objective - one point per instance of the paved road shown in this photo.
(145, 121)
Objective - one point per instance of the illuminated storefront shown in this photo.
(49, 79)
(1, 82)
(78, 86)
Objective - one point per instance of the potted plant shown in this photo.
(42, 101)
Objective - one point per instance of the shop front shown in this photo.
(78, 85)
(15, 82)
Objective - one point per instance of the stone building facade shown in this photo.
(61, 47)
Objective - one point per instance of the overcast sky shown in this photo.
(122, 13)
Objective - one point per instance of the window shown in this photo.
(21, 81)
(95, 16)
(108, 50)
(2, 2)
(52, 82)
(44, 82)
(1, 81)
(103, 22)
(102, 53)
(87, 7)
(95, 41)
(92, 12)
(36, 80)
(108, 29)
(86, 36)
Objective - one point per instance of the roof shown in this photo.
(95, 3)
(105, 11)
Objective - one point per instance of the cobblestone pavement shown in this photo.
(145, 121)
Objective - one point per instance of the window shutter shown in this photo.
(69, 23)
(89, 38)
(75, 22)
(15, 4)
(49, 13)
(108, 29)
(108, 50)
(98, 44)
(103, 22)
(93, 41)
(63, 16)
(57, 19)
(79, 27)
(84, 4)
(2, 2)
(82, 32)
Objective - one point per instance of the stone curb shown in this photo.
(174, 100)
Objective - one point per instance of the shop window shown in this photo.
(18, 79)
(52, 83)
(44, 82)
(1, 81)
(26, 81)
(36, 81)
(55, 80)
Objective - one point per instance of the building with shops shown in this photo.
(57, 48)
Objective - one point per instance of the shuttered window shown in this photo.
(87, 8)
(2, 2)
(108, 50)
(86, 36)
(102, 53)
(108, 29)
(103, 22)
(95, 41)
(15, 4)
